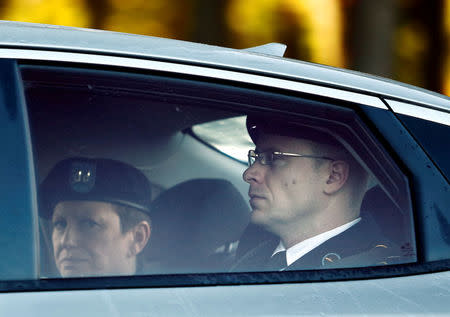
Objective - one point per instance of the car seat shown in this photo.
(394, 223)
(195, 225)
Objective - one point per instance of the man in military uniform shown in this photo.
(306, 190)
(99, 214)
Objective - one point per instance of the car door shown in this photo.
(68, 91)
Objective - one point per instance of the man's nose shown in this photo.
(70, 237)
(254, 173)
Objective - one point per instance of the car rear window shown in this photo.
(100, 136)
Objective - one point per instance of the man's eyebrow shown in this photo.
(56, 217)
(269, 149)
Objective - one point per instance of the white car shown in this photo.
(176, 111)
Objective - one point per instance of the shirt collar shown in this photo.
(300, 249)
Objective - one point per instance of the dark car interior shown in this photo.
(200, 212)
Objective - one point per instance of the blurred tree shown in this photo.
(311, 29)
(251, 22)
(161, 18)
(99, 11)
(402, 39)
(415, 44)
(210, 25)
(292, 30)
(420, 44)
(433, 20)
(446, 53)
(399, 39)
(370, 27)
(59, 12)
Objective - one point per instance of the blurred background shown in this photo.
(406, 40)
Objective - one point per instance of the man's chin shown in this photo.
(75, 271)
(71, 273)
(258, 216)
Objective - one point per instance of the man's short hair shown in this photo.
(100, 179)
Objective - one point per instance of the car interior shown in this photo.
(200, 212)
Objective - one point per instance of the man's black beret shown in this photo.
(259, 124)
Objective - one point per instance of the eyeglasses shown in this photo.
(267, 158)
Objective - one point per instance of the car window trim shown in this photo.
(424, 113)
(222, 279)
(20, 237)
(208, 72)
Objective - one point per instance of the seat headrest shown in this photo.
(192, 219)
(390, 219)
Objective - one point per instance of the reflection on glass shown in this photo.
(228, 136)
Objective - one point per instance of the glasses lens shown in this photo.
(251, 157)
(265, 158)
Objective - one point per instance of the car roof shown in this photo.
(60, 38)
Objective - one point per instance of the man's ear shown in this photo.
(337, 176)
(141, 234)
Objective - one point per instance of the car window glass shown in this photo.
(18, 217)
(434, 137)
(126, 188)
(229, 136)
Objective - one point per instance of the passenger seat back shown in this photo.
(194, 225)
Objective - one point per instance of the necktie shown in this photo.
(277, 262)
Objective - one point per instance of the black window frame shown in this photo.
(369, 115)
(18, 242)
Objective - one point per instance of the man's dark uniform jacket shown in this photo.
(363, 244)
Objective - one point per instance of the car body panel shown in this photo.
(421, 295)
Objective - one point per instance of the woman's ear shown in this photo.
(337, 176)
(141, 234)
